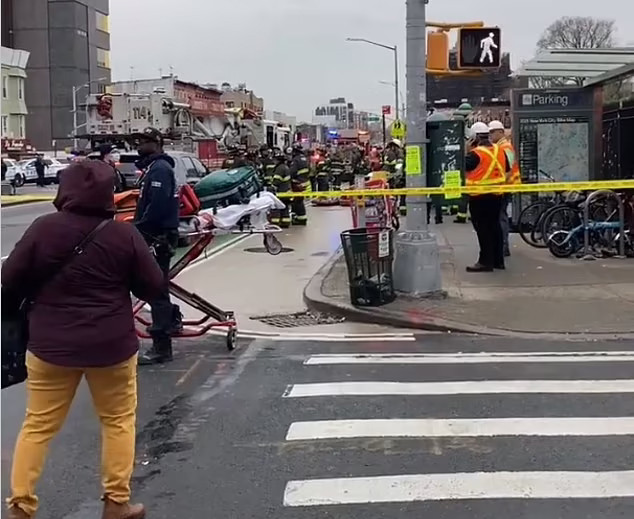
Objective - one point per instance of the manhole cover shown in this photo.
(297, 319)
(321, 253)
(260, 250)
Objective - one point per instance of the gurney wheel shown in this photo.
(232, 334)
(272, 245)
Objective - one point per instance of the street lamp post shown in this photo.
(394, 49)
(416, 264)
(76, 90)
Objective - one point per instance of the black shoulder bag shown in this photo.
(15, 319)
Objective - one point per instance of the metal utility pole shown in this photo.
(396, 98)
(76, 90)
(75, 140)
(394, 49)
(417, 265)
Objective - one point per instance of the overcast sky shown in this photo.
(294, 53)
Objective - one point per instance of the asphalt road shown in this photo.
(244, 435)
(16, 219)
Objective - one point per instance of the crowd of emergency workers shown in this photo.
(490, 160)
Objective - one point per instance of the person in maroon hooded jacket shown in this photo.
(80, 325)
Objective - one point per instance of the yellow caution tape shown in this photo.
(471, 190)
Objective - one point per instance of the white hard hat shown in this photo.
(479, 129)
(397, 142)
(496, 125)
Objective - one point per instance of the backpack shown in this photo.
(223, 188)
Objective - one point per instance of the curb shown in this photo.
(316, 301)
(26, 202)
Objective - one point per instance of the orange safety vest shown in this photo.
(491, 170)
(515, 176)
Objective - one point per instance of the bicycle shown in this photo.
(529, 223)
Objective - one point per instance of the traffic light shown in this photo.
(437, 50)
(479, 48)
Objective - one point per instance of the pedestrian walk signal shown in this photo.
(479, 48)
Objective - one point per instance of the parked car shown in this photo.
(188, 168)
(10, 164)
(24, 172)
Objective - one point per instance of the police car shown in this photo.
(24, 172)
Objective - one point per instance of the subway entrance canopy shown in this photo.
(575, 63)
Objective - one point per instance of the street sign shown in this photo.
(479, 48)
(387, 109)
(398, 130)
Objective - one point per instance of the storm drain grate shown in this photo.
(297, 319)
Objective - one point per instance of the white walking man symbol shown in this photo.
(487, 44)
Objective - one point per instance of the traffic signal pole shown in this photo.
(417, 264)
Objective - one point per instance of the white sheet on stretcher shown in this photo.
(228, 217)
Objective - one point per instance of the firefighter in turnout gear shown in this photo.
(236, 158)
(394, 164)
(300, 183)
(267, 166)
(281, 184)
(390, 160)
(322, 172)
(337, 168)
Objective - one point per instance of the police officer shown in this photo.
(486, 164)
(40, 170)
(281, 184)
(157, 220)
(300, 183)
(267, 166)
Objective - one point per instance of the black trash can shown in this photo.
(369, 255)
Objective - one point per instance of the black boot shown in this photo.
(159, 353)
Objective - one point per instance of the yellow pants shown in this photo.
(50, 392)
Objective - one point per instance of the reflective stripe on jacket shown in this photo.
(491, 169)
(515, 176)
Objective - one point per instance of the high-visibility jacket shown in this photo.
(514, 175)
(491, 169)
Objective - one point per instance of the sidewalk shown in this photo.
(537, 293)
(256, 284)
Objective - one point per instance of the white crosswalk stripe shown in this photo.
(479, 484)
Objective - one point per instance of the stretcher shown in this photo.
(251, 218)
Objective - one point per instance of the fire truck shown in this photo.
(118, 118)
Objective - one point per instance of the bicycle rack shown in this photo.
(587, 256)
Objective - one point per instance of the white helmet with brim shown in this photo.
(479, 129)
(496, 125)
